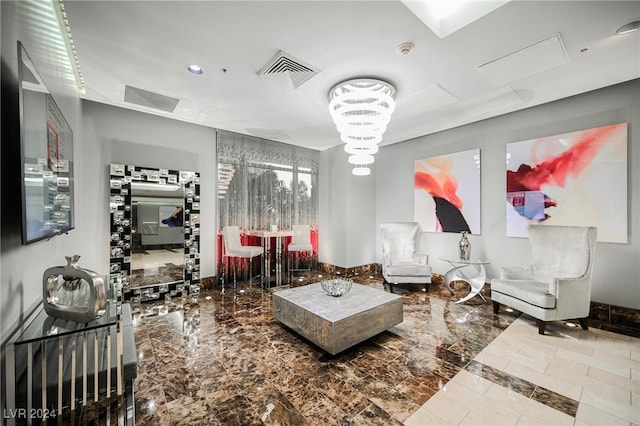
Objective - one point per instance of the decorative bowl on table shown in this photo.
(337, 287)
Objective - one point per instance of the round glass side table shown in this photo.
(476, 281)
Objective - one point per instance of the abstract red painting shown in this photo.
(447, 192)
(577, 178)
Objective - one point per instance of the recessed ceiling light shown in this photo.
(168, 187)
(630, 27)
(195, 69)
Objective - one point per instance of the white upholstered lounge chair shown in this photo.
(557, 283)
(401, 263)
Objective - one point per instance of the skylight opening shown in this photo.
(444, 9)
(444, 17)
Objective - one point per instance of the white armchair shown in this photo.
(557, 284)
(401, 263)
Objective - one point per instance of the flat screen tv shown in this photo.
(46, 149)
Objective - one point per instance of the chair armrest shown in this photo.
(566, 286)
(420, 258)
(573, 296)
(516, 273)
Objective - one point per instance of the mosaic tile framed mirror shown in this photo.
(155, 231)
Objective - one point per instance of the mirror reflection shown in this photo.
(157, 246)
(47, 156)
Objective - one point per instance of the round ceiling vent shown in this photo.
(405, 48)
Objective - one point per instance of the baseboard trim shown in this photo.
(615, 318)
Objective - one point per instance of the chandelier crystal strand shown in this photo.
(225, 175)
(361, 110)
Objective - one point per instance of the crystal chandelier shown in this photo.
(361, 109)
(225, 176)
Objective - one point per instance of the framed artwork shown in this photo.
(577, 178)
(447, 192)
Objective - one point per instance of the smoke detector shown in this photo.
(405, 48)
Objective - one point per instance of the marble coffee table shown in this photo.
(337, 323)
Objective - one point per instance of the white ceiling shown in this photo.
(147, 45)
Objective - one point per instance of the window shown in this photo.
(263, 183)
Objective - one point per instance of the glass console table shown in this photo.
(476, 281)
(54, 364)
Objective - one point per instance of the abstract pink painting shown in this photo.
(577, 178)
(447, 192)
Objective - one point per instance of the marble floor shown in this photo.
(225, 361)
(157, 266)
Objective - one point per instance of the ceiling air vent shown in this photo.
(148, 99)
(530, 60)
(298, 71)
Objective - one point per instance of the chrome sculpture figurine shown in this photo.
(73, 293)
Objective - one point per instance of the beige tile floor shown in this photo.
(598, 370)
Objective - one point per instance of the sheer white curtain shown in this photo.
(263, 183)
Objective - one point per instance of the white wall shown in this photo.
(118, 135)
(346, 212)
(332, 194)
(21, 267)
(617, 266)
